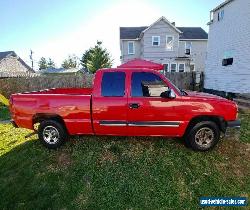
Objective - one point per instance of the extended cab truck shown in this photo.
(126, 103)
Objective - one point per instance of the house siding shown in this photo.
(198, 53)
(124, 48)
(161, 29)
(229, 36)
(159, 54)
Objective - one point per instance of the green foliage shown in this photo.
(51, 63)
(96, 57)
(86, 57)
(70, 62)
(118, 172)
(4, 113)
(42, 63)
(45, 64)
(245, 127)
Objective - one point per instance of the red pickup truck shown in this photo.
(125, 103)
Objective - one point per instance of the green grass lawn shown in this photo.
(119, 172)
(4, 113)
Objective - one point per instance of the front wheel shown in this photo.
(51, 134)
(203, 136)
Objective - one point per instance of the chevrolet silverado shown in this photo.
(125, 102)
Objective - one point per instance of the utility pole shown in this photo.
(31, 58)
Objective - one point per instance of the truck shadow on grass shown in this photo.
(119, 173)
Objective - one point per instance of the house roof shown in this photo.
(166, 21)
(187, 32)
(193, 33)
(13, 54)
(60, 70)
(6, 53)
(221, 5)
(131, 32)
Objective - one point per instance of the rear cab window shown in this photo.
(113, 84)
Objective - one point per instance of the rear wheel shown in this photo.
(203, 136)
(52, 134)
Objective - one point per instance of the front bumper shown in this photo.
(14, 124)
(234, 124)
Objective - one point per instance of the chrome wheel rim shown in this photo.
(204, 137)
(50, 135)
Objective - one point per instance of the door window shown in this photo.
(146, 84)
(113, 84)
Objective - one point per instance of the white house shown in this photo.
(178, 48)
(228, 56)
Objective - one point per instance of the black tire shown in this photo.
(203, 136)
(52, 134)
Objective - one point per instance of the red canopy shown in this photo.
(140, 63)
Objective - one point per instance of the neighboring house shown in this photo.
(228, 57)
(10, 62)
(178, 48)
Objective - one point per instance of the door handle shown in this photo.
(134, 106)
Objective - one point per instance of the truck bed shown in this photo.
(63, 91)
(71, 104)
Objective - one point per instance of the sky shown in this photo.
(58, 28)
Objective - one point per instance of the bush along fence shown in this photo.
(8, 86)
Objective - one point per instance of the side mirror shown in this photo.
(168, 94)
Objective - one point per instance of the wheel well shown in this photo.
(38, 118)
(219, 121)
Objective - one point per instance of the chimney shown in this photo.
(173, 23)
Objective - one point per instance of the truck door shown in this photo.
(109, 104)
(149, 114)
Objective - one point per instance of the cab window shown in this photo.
(145, 84)
(113, 84)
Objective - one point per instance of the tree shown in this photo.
(70, 62)
(42, 63)
(96, 58)
(51, 63)
(86, 57)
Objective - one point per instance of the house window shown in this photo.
(227, 61)
(188, 46)
(169, 43)
(220, 15)
(166, 67)
(131, 48)
(155, 40)
(173, 67)
(192, 67)
(181, 67)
